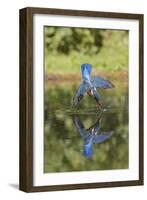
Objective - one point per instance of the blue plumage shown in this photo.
(86, 71)
(90, 84)
(88, 150)
(91, 136)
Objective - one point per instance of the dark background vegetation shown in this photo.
(67, 48)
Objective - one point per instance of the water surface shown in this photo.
(67, 129)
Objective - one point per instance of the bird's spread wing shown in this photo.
(99, 82)
(102, 137)
(79, 125)
(84, 87)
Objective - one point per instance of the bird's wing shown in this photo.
(84, 87)
(102, 137)
(79, 125)
(99, 82)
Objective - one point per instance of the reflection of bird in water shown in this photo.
(92, 135)
(90, 85)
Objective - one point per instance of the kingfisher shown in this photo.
(92, 135)
(89, 85)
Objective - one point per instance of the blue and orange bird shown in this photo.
(89, 85)
(92, 135)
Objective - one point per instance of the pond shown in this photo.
(84, 138)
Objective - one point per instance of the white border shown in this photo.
(40, 178)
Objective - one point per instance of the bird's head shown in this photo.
(86, 71)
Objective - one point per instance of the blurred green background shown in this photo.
(65, 50)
